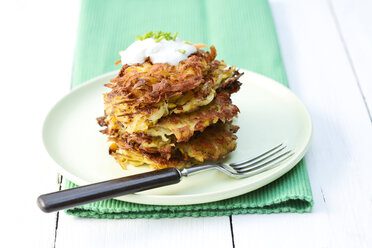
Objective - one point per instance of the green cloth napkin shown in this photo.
(244, 35)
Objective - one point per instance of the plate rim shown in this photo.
(163, 200)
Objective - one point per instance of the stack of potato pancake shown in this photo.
(165, 115)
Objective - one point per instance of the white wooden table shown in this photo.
(327, 50)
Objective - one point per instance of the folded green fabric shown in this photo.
(244, 35)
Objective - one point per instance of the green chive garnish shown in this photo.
(158, 36)
(181, 51)
(175, 35)
(159, 39)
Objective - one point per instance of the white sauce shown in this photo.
(164, 51)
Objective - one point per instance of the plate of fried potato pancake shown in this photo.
(173, 104)
(269, 114)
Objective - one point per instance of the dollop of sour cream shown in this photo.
(164, 51)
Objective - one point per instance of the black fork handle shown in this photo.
(108, 189)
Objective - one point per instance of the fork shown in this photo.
(127, 185)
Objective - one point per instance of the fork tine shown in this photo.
(265, 167)
(267, 156)
(257, 165)
(251, 160)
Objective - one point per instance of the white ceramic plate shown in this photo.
(269, 115)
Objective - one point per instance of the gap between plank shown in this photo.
(232, 231)
(338, 28)
(60, 180)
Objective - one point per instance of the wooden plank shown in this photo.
(338, 160)
(36, 55)
(182, 232)
(354, 22)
